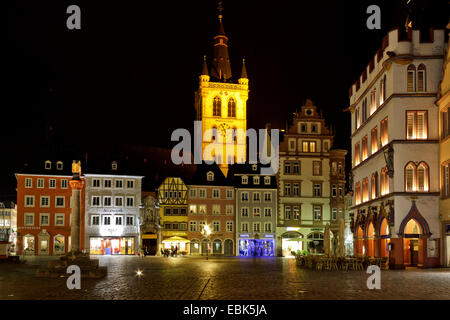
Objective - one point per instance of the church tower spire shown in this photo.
(221, 66)
(221, 105)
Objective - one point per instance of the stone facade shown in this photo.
(112, 213)
(256, 210)
(311, 184)
(395, 149)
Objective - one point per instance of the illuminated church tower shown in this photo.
(221, 104)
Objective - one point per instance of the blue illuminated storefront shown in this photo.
(249, 247)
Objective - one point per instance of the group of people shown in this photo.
(172, 252)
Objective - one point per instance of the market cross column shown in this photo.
(75, 229)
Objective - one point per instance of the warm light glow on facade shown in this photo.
(365, 190)
(357, 154)
(374, 140)
(384, 182)
(384, 132)
(357, 193)
(365, 153)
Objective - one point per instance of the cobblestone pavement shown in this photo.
(221, 278)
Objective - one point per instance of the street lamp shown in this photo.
(206, 232)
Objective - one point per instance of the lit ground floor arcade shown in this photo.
(407, 242)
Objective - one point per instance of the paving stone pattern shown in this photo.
(221, 278)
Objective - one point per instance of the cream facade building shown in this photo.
(444, 157)
(311, 184)
(395, 147)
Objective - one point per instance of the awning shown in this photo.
(175, 239)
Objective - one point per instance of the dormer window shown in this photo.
(114, 165)
(210, 176)
(244, 180)
(48, 165)
(255, 180)
(266, 180)
(254, 167)
(59, 165)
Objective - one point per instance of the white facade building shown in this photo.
(395, 151)
(112, 213)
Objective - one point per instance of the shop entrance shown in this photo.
(291, 243)
(411, 246)
(112, 246)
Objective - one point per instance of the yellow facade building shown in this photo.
(444, 157)
(221, 105)
(172, 198)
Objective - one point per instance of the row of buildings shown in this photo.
(249, 214)
(401, 152)
(397, 205)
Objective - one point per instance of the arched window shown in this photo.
(365, 190)
(421, 78)
(411, 78)
(231, 108)
(210, 176)
(382, 90)
(422, 177)
(217, 107)
(410, 172)
(357, 193)
(374, 185)
(384, 181)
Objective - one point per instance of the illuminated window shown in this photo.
(357, 193)
(256, 212)
(296, 213)
(374, 185)
(357, 154)
(411, 78)
(364, 148)
(384, 182)
(382, 90)
(384, 132)
(365, 190)
(305, 146)
(357, 118)
(416, 125)
(410, 177)
(231, 108)
(312, 146)
(374, 140)
(422, 177)
(373, 101)
(217, 106)
(421, 78)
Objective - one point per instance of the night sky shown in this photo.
(128, 76)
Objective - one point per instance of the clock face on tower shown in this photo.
(223, 127)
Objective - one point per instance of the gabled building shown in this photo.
(44, 201)
(8, 223)
(256, 210)
(173, 210)
(395, 151)
(211, 202)
(311, 183)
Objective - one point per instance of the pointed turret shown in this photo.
(205, 67)
(221, 67)
(244, 70)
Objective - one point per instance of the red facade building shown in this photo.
(44, 209)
